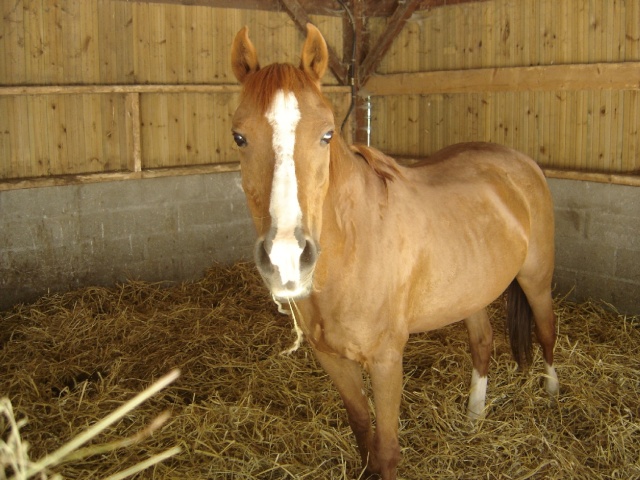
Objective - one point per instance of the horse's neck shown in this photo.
(356, 193)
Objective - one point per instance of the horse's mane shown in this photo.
(384, 166)
(261, 86)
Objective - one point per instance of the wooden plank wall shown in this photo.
(119, 43)
(586, 130)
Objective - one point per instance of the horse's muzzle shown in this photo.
(287, 267)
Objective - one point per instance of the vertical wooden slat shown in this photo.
(203, 147)
(107, 41)
(632, 131)
(13, 59)
(134, 129)
(123, 145)
(618, 130)
(158, 44)
(173, 41)
(632, 31)
(90, 53)
(11, 133)
(598, 133)
(109, 132)
(33, 41)
(95, 160)
(124, 22)
(141, 50)
(5, 137)
(561, 154)
(72, 53)
(198, 62)
(58, 130)
(21, 151)
(75, 125)
(577, 119)
(220, 110)
(610, 129)
(525, 116)
(39, 164)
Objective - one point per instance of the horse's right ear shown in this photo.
(315, 55)
(244, 59)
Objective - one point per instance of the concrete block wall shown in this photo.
(598, 242)
(173, 228)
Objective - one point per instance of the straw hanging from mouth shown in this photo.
(296, 327)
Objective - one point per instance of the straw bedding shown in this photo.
(242, 411)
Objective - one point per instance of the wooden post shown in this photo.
(362, 48)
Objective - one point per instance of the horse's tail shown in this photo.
(519, 324)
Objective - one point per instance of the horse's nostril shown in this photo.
(309, 254)
(262, 257)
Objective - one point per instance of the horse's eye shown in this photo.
(326, 138)
(239, 139)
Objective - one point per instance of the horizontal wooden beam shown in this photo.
(597, 76)
(316, 7)
(611, 178)
(372, 8)
(62, 180)
(629, 180)
(124, 89)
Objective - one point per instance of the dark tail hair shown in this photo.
(519, 324)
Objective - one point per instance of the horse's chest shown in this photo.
(347, 336)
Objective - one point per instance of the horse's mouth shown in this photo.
(290, 291)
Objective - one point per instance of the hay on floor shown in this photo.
(242, 411)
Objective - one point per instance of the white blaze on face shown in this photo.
(283, 115)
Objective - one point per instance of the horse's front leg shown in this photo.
(386, 381)
(347, 377)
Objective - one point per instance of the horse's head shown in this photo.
(283, 127)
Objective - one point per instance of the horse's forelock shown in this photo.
(261, 86)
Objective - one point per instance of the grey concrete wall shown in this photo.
(173, 228)
(62, 238)
(598, 242)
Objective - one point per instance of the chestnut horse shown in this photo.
(371, 251)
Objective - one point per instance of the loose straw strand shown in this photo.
(296, 326)
(91, 432)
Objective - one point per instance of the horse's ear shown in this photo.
(244, 59)
(315, 55)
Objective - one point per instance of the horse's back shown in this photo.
(464, 162)
(487, 167)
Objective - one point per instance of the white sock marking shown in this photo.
(477, 395)
(551, 381)
(283, 115)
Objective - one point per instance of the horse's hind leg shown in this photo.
(538, 295)
(480, 341)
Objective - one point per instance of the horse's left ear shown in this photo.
(315, 55)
